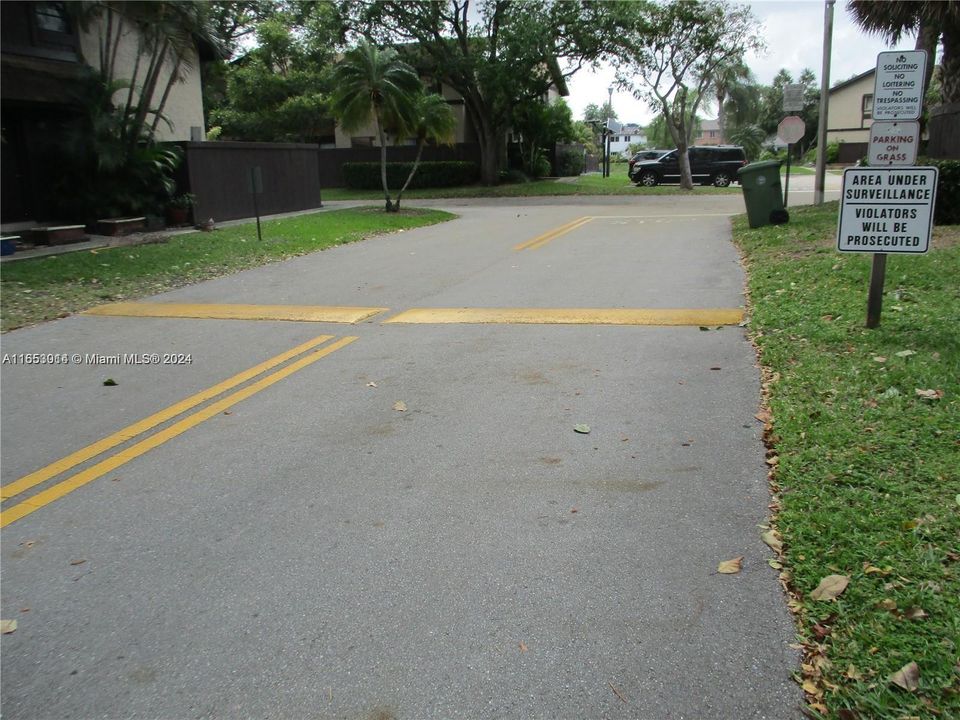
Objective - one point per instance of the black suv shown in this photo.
(709, 164)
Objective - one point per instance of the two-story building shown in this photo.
(43, 54)
(849, 116)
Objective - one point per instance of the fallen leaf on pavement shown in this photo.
(907, 677)
(929, 394)
(110, 382)
(716, 368)
(8, 626)
(77, 562)
(523, 647)
(582, 429)
(830, 587)
(730, 567)
(400, 406)
(371, 384)
(771, 539)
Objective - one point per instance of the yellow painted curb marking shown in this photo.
(83, 477)
(541, 240)
(572, 316)
(210, 311)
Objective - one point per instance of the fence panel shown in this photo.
(333, 159)
(218, 173)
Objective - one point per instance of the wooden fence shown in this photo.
(218, 173)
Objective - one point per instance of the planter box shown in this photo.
(8, 244)
(58, 235)
(121, 226)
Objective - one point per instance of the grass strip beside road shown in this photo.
(616, 184)
(45, 288)
(867, 470)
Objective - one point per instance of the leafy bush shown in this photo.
(772, 155)
(366, 175)
(514, 176)
(948, 190)
(569, 163)
(833, 152)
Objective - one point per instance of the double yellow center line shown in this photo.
(54, 492)
(540, 240)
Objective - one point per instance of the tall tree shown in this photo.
(675, 50)
(726, 80)
(278, 91)
(373, 85)
(167, 34)
(495, 53)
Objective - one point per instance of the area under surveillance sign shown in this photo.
(887, 210)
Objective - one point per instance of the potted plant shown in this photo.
(178, 209)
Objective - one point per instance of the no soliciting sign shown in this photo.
(887, 210)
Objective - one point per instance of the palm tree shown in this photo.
(727, 80)
(375, 84)
(434, 121)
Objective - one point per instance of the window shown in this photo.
(51, 17)
(867, 106)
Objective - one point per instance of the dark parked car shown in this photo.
(716, 164)
(645, 155)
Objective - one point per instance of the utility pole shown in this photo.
(820, 180)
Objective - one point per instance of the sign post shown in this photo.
(885, 209)
(790, 130)
(882, 211)
(255, 187)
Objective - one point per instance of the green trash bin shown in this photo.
(763, 194)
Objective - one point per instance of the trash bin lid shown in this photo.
(759, 166)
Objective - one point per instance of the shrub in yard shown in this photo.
(569, 163)
(366, 175)
(948, 190)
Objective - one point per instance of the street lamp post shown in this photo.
(606, 165)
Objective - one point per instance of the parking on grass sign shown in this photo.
(887, 210)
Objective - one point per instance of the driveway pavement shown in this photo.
(396, 518)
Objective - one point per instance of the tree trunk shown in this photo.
(174, 76)
(413, 170)
(489, 157)
(383, 162)
(950, 65)
(722, 115)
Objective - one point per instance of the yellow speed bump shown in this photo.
(540, 240)
(572, 316)
(205, 311)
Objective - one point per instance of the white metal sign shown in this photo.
(898, 88)
(893, 143)
(791, 129)
(885, 210)
(793, 97)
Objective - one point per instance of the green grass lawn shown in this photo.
(44, 288)
(616, 184)
(867, 470)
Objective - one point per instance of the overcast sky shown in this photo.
(793, 32)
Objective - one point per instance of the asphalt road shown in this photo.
(400, 521)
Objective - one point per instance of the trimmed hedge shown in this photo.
(948, 190)
(366, 175)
